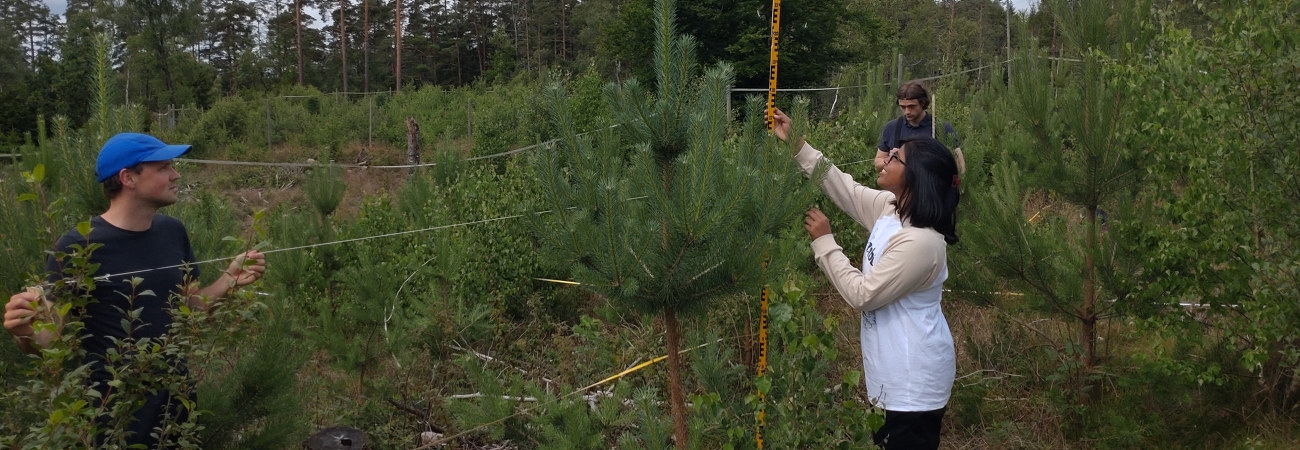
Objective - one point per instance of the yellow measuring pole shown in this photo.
(762, 319)
(762, 367)
(771, 78)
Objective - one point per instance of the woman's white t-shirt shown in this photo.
(908, 358)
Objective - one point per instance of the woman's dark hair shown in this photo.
(930, 190)
(113, 185)
(914, 90)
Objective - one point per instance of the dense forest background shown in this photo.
(191, 53)
(1127, 273)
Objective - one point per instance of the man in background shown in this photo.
(916, 123)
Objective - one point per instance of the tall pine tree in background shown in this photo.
(289, 41)
(1066, 134)
(668, 209)
(158, 35)
(427, 51)
(16, 120)
(230, 39)
(28, 33)
(816, 37)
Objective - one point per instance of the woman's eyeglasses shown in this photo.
(893, 156)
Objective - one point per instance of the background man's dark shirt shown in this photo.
(898, 130)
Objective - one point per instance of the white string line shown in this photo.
(357, 166)
(1113, 300)
(351, 166)
(388, 316)
(320, 244)
(936, 77)
(839, 88)
(344, 241)
(406, 166)
(808, 89)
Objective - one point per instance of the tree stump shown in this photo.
(412, 144)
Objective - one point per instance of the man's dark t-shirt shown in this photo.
(899, 130)
(155, 256)
(161, 258)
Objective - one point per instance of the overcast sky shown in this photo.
(1022, 5)
(59, 6)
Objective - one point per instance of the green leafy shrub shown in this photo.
(226, 122)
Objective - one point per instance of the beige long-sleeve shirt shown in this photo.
(908, 357)
(910, 260)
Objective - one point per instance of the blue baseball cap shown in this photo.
(128, 149)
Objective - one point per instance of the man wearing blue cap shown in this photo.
(135, 241)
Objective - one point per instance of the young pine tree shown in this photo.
(669, 208)
(1066, 141)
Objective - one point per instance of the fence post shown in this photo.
(899, 80)
(412, 144)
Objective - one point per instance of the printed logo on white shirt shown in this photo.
(868, 320)
(884, 228)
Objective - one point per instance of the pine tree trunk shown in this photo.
(297, 18)
(674, 378)
(343, 47)
(1090, 293)
(1088, 316)
(1089, 319)
(365, 47)
(397, 66)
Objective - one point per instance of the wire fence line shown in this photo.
(483, 157)
(168, 119)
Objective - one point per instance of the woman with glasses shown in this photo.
(907, 351)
